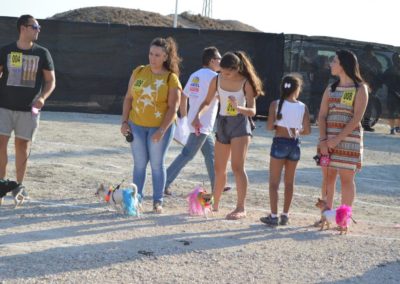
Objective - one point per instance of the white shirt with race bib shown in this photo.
(196, 90)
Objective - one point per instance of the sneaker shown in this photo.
(392, 131)
(25, 193)
(269, 220)
(397, 129)
(284, 220)
(157, 208)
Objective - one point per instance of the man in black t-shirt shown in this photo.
(26, 80)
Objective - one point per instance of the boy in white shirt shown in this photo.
(196, 91)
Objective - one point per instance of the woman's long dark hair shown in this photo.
(238, 60)
(348, 61)
(289, 84)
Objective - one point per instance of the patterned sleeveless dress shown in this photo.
(348, 153)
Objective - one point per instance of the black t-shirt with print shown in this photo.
(22, 77)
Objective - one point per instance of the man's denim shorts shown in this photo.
(285, 148)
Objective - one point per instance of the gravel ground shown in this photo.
(65, 235)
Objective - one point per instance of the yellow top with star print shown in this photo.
(150, 96)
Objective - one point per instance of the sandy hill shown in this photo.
(116, 15)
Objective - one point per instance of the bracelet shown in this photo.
(161, 130)
(125, 121)
(322, 139)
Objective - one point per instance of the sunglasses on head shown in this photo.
(34, 26)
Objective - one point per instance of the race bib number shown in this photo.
(16, 59)
(230, 110)
(348, 97)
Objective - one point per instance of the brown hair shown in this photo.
(238, 60)
(171, 49)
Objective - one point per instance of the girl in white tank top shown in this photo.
(226, 97)
(237, 87)
(289, 118)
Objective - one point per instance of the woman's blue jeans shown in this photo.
(202, 142)
(145, 150)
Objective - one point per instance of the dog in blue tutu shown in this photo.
(123, 199)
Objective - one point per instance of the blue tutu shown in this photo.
(129, 203)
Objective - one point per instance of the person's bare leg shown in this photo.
(328, 185)
(21, 158)
(348, 186)
(290, 170)
(3, 155)
(275, 171)
(392, 125)
(239, 148)
(222, 152)
(391, 122)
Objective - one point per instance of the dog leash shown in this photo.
(116, 188)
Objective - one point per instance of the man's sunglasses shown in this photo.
(34, 27)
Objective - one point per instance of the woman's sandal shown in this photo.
(236, 215)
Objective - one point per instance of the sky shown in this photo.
(372, 20)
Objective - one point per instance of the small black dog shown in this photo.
(7, 186)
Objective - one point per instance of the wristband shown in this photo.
(125, 121)
(161, 130)
(322, 139)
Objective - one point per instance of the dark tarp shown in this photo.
(94, 61)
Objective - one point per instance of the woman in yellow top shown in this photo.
(149, 110)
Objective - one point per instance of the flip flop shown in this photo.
(235, 216)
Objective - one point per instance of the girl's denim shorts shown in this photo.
(285, 148)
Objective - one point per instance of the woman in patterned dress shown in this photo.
(342, 108)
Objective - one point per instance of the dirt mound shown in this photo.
(114, 15)
(208, 23)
